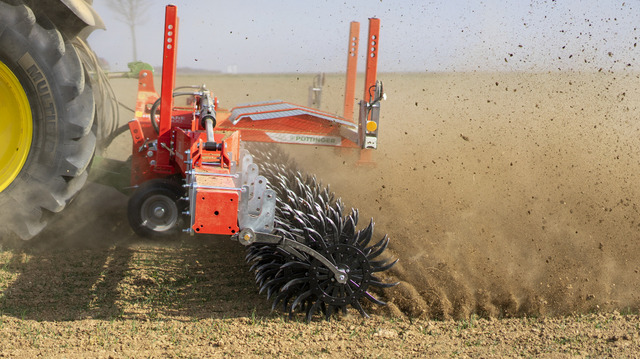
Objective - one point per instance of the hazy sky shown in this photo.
(448, 35)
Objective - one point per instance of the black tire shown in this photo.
(157, 194)
(62, 105)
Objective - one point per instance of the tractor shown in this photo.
(53, 109)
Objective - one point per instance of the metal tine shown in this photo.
(340, 224)
(322, 224)
(333, 213)
(296, 233)
(282, 228)
(281, 297)
(255, 265)
(383, 265)
(270, 291)
(357, 305)
(289, 214)
(364, 236)
(373, 299)
(272, 283)
(291, 194)
(321, 201)
(316, 237)
(316, 221)
(302, 205)
(330, 195)
(318, 206)
(380, 249)
(260, 255)
(251, 254)
(355, 214)
(335, 235)
(379, 243)
(299, 213)
(299, 185)
(349, 231)
(266, 266)
(293, 282)
(285, 207)
(379, 284)
(262, 277)
(311, 235)
(272, 286)
(277, 300)
(312, 310)
(310, 197)
(329, 312)
(300, 298)
(322, 198)
(314, 181)
(339, 206)
(285, 303)
(322, 216)
(295, 265)
(299, 222)
(323, 307)
(307, 221)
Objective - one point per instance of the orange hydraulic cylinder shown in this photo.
(352, 69)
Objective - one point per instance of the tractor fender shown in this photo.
(85, 12)
(71, 17)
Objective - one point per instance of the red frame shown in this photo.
(180, 139)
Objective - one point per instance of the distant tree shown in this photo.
(132, 14)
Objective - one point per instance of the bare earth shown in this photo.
(511, 201)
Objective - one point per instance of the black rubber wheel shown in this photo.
(62, 111)
(155, 209)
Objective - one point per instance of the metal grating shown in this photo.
(270, 110)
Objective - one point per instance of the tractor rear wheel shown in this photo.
(46, 120)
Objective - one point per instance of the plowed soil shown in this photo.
(511, 201)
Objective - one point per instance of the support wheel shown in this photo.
(155, 209)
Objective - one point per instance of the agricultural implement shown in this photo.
(204, 170)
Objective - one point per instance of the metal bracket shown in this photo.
(257, 207)
(191, 194)
(248, 236)
(249, 170)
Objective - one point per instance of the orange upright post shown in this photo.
(170, 51)
(352, 70)
(373, 44)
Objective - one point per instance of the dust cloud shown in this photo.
(505, 194)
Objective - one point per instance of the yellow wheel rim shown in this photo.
(16, 127)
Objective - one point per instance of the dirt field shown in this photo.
(511, 201)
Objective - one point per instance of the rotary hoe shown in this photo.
(204, 170)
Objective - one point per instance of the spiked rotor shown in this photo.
(309, 214)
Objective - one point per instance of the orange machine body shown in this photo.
(180, 146)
